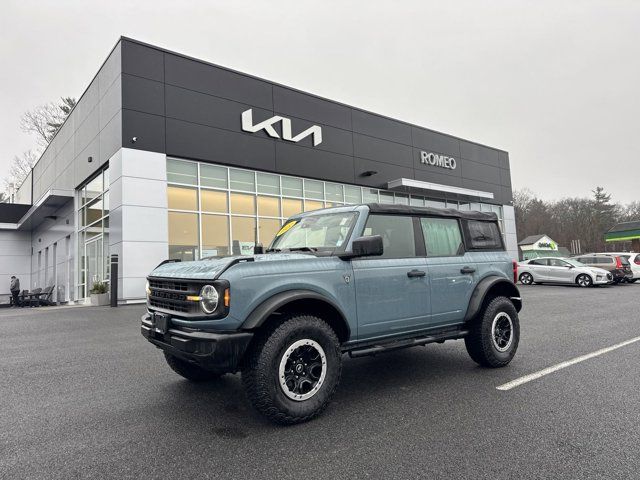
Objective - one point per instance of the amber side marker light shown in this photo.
(194, 298)
(227, 297)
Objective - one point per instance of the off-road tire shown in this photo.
(479, 341)
(189, 370)
(260, 370)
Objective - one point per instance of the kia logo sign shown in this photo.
(267, 126)
(429, 158)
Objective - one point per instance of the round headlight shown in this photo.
(208, 299)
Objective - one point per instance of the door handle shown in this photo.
(416, 273)
(467, 270)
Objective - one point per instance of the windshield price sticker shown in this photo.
(285, 228)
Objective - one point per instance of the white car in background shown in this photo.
(634, 260)
(561, 270)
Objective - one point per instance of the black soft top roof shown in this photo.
(432, 212)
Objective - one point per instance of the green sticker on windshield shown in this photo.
(286, 227)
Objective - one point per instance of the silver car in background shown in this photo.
(561, 270)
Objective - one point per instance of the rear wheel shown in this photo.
(584, 280)
(526, 278)
(189, 370)
(292, 371)
(494, 336)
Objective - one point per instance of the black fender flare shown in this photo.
(485, 286)
(259, 314)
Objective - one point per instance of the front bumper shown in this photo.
(602, 279)
(220, 352)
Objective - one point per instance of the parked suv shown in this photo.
(634, 263)
(360, 280)
(618, 266)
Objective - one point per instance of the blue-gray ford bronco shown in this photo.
(357, 280)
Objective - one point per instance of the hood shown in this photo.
(598, 271)
(210, 268)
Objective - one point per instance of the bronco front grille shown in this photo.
(170, 295)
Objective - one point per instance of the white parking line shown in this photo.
(533, 376)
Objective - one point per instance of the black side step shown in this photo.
(411, 342)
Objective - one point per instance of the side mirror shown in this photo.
(258, 249)
(367, 246)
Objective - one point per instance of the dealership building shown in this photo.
(167, 156)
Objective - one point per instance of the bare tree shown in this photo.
(21, 166)
(3, 198)
(45, 120)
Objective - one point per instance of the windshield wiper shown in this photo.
(276, 250)
(303, 249)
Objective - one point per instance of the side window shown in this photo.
(554, 262)
(541, 261)
(484, 235)
(442, 237)
(396, 232)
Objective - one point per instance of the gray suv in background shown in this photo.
(358, 280)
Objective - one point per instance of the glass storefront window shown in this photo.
(182, 172)
(213, 176)
(290, 207)
(94, 211)
(474, 207)
(268, 183)
(464, 206)
(291, 187)
(312, 205)
(242, 180)
(244, 235)
(313, 189)
(452, 204)
(386, 197)
(370, 195)
(243, 204)
(352, 194)
(417, 201)
(215, 235)
(183, 235)
(268, 229)
(182, 198)
(435, 203)
(214, 201)
(268, 206)
(402, 199)
(333, 192)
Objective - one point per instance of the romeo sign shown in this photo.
(429, 158)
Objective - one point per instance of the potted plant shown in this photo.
(99, 294)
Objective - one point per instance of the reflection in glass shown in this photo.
(291, 187)
(313, 189)
(242, 180)
(213, 176)
(352, 194)
(215, 235)
(268, 229)
(244, 235)
(183, 235)
(268, 183)
(182, 172)
(312, 205)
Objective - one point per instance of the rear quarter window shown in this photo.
(483, 235)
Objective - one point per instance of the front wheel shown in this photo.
(292, 371)
(526, 278)
(584, 280)
(494, 336)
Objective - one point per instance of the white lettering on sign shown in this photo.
(267, 126)
(429, 158)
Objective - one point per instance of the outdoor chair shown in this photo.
(22, 297)
(31, 298)
(44, 298)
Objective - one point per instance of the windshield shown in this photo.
(315, 232)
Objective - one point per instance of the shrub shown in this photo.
(99, 287)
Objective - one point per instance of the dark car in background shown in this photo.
(619, 266)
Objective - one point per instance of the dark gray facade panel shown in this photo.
(384, 173)
(309, 162)
(507, 196)
(479, 153)
(148, 129)
(444, 172)
(503, 158)
(334, 139)
(433, 176)
(196, 107)
(187, 73)
(380, 127)
(142, 61)
(142, 94)
(480, 172)
(505, 178)
(435, 142)
(379, 150)
(219, 146)
(308, 107)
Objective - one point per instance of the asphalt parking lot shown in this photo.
(85, 396)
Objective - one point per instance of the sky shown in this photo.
(555, 83)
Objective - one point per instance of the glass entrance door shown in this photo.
(93, 257)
